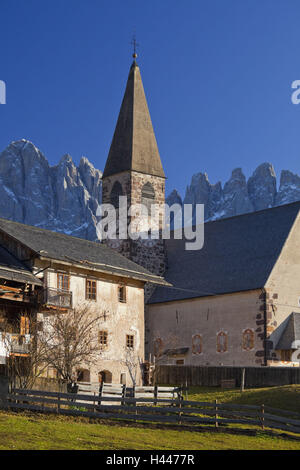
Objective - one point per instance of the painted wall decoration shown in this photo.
(197, 344)
(222, 342)
(248, 339)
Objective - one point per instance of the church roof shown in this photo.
(290, 338)
(134, 145)
(238, 255)
(76, 251)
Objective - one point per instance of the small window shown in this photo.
(130, 341)
(91, 289)
(115, 194)
(148, 196)
(103, 339)
(122, 293)
(63, 281)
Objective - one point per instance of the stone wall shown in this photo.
(151, 254)
(217, 330)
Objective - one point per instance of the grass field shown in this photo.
(30, 431)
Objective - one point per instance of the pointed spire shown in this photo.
(134, 146)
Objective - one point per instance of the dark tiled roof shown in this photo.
(12, 269)
(88, 254)
(238, 254)
(290, 338)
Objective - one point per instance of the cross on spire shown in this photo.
(135, 46)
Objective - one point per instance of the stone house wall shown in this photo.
(202, 324)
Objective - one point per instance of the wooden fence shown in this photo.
(159, 410)
(212, 376)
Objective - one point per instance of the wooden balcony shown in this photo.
(16, 294)
(57, 299)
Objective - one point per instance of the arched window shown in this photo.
(197, 344)
(148, 196)
(105, 376)
(83, 375)
(222, 342)
(248, 339)
(116, 192)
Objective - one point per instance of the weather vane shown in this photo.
(135, 46)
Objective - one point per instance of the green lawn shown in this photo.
(20, 431)
(286, 397)
(33, 431)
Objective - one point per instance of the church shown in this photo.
(236, 301)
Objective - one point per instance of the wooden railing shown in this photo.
(57, 298)
(162, 410)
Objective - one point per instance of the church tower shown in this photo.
(134, 169)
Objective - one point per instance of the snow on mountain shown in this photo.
(63, 197)
(239, 196)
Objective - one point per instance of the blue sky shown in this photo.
(217, 76)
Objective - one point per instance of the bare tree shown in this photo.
(162, 348)
(25, 357)
(70, 340)
(133, 363)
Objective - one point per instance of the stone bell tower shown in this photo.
(134, 169)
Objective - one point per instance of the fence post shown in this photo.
(243, 379)
(94, 409)
(155, 394)
(216, 413)
(58, 403)
(180, 409)
(263, 416)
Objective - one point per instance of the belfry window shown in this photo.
(148, 196)
(116, 192)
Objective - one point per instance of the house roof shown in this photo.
(11, 269)
(134, 145)
(76, 251)
(238, 254)
(290, 338)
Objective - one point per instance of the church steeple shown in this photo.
(133, 169)
(134, 146)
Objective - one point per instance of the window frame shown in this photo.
(122, 300)
(89, 294)
(103, 339)
(130, 341)
(63, 275)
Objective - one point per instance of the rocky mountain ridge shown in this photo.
(65, 197)
(239, 196)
